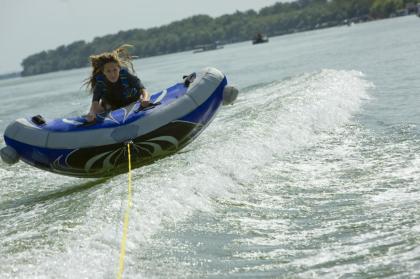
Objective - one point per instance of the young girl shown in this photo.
(112, 85)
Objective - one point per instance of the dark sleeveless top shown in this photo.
(119, 94)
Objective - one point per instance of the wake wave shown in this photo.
(286, 115)
(265, 123)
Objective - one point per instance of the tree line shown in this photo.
(183, 35)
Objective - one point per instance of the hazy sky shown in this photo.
(30, 26)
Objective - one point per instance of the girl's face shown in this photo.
(111, 71)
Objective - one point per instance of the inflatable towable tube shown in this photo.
(70, 146)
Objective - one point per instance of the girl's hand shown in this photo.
(144, 98)
(90, 117)
(144, 103)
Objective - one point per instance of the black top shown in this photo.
(112, 94)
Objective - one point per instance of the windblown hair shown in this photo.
(119, 56)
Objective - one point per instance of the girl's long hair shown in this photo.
(119, 55)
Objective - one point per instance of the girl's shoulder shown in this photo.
(124, 70)
(100, 79)
(127, 72)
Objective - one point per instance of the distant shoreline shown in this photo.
(279, 19)
(10, 75)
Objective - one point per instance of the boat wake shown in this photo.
(265, 123)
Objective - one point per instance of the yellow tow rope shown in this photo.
(127, 213)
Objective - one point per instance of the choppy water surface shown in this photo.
(313, 173)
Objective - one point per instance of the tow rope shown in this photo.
(126, 215)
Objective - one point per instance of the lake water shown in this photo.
(313, 173)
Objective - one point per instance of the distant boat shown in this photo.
(259, 39)
(207, 47)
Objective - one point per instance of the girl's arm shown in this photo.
(95, 108)
(144, 97)
(135, 82)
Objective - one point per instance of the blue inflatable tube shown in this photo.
(70, 146)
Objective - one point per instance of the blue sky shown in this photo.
(29, 26)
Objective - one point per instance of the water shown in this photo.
(313, 173)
